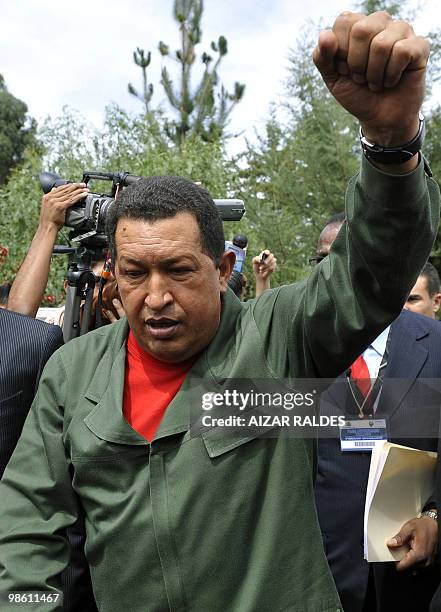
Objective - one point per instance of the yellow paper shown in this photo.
(401, 480)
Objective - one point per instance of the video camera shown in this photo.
(87, 218)
(87, 221)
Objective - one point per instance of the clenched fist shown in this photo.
(375, 68)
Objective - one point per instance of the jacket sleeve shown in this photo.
(37, 502)
(316, 328)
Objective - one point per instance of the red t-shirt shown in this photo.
(149, 387)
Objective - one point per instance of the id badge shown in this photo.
(362, 435)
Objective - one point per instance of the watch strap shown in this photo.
(394, 155)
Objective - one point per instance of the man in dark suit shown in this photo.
(25, 346)
(410, 352)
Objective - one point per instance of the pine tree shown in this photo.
(143, 60)
(203, 110)
(297, 173)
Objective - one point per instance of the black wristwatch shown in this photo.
(393, 155)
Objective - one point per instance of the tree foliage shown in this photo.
(371, 6)
(126, 143)
(292, 177)
(16, 130)
(201, 110)
(297, 173)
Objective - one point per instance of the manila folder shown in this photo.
(401, 480)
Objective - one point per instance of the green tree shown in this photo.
(143, 60)
(295, 176)
(432, 151)
(16, 130)
(371, 6)
(203, 109)
(297, 173)
(125, 143)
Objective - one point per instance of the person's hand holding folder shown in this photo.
(421, 537)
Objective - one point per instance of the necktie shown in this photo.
(360, 375)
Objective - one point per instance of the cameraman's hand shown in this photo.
(30, 283)
(55, 203)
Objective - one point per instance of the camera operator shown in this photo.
(30, 283)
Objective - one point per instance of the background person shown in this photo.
(28, 288)
(406, 352)
(425, 297)
(30, 282)
(264, 265)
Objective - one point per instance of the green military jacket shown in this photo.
(208, 523)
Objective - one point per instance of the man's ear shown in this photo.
(436, 302)
(225, 269)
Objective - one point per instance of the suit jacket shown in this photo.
(25, 346)
(411, 407)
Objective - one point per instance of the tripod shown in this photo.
(81, 284)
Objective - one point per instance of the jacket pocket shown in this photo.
(219, 440)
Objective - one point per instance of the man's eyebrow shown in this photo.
(169, 261)
(163, 262)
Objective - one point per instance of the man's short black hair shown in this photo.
(163, 197)
(431, 274)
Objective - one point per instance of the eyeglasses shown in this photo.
(313, 261)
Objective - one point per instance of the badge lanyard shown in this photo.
(378, 383)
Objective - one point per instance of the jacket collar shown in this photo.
(407, 355)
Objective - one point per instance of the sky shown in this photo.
(80, 54)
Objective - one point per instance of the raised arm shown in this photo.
(375, 68)
(30, 283)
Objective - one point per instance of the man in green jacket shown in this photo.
(216, 522)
